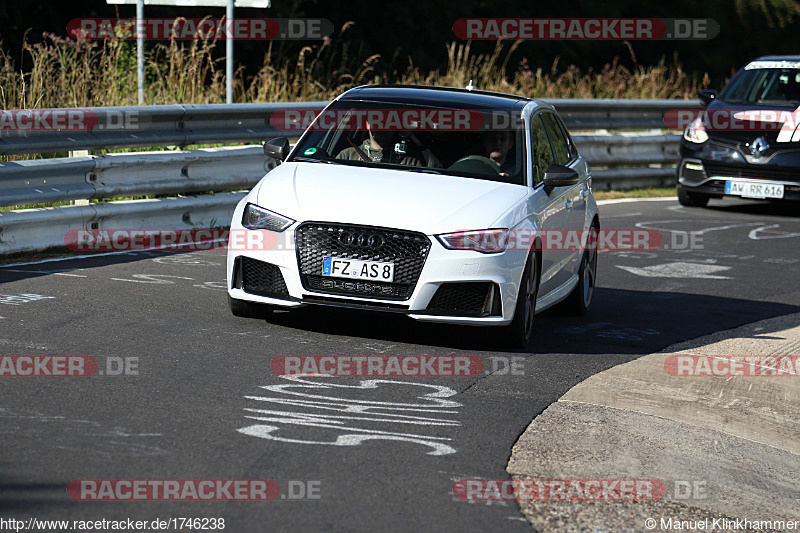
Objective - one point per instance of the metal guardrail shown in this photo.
(184, 125)
(135, 174)
(40, 229)
(161, 125)
(619, 160)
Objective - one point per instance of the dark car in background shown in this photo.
(747, 142)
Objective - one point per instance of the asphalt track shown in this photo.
(201, 372)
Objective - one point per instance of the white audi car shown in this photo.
(435, 202)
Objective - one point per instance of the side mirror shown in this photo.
(277, 148)
(559, 176)
(706, 96)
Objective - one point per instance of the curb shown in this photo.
(725, 447)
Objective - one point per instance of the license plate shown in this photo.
(751, 189)
(358, 269)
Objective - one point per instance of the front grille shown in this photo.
(461, 298)
(757, 172)
(263, 279)
(406, 249)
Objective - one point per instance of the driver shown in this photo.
(496, 145)
(382, 146)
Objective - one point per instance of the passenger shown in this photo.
(383, 146)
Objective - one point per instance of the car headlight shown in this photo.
(696, 132)
(487, 241)
(259, 218)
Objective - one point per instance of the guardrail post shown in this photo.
(78, 153)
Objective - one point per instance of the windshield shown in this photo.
(437, 140)
(765, 85)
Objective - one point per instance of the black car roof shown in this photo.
(436, 96)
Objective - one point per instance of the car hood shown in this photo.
(429, 203)
(741, 122)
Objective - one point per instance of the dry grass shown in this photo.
(69, 73)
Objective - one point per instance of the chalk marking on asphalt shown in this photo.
(678, 270)
(372, 411)
(754, 234)
(9, 299)
(184, 260)
(265, 432)
(608, 330)
(646, 225)
(213, 285)
(153, 278)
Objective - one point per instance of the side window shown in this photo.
(557, 138)
(541, 154)
(573, 150)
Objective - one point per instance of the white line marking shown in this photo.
(625, 215)
(631, 200)
(56, 272)
(103, 254)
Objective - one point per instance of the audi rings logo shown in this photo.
(361, 240)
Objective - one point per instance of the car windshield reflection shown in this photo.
(449, 141)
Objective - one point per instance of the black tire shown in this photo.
(245, 309)
(518, 334)
(580, 299)
(691, 199)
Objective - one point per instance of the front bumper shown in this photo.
(707, 167)
(452, 286)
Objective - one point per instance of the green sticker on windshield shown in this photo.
(310, 151)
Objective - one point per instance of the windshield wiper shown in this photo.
(387, 166)
(425, 170)
(778, 102)
(311, 160)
